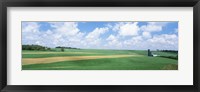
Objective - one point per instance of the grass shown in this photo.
(84, 52)
(127, 63)
(107, 64)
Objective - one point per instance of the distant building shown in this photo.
(149, 53)
(154, 55)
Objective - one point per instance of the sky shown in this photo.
(102, 35)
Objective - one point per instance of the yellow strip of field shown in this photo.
(27, 61)
(58, 53)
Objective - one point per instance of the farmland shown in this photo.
(97, 59)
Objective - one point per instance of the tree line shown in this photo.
(43, 48)
(35, 47)
(173, 51)
(66, 47)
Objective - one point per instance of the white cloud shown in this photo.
(96, 33)
(31, 33)
(164, 38)
(127, 28)
(30, 27)
(134, 42)
(116, 27)
(66, 34)
(113, 42)
(159, 23)
(61, 34)
(93, 39)
(109, 25)
(164, 41)
(65, 28)
(153, 26)
(146, 35)
(111, 37)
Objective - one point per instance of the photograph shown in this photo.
(99, 45)
(106, 45)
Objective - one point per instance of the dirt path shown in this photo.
(27, 61)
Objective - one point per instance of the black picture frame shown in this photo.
(98, 3)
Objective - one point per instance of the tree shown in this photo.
(33, 47)
(62, 49)
(48, 48)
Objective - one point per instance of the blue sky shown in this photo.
(102, 35)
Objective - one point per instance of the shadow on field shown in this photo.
(170, 67)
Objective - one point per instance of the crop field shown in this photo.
(93, 59)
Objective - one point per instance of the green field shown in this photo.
(91, 59)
